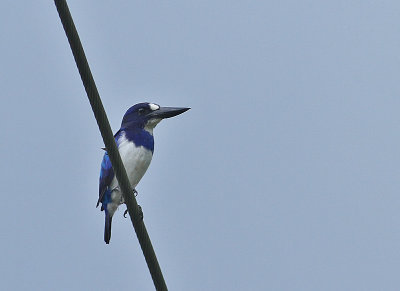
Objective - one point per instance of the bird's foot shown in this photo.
(135, 193)
(140, 212)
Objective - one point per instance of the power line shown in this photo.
(108, 138)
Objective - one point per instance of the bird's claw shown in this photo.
(140, 212)
(135, 193)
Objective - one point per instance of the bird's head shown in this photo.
(148, 115)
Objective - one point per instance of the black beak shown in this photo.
(167, 112)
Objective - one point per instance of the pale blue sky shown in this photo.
(285, 175)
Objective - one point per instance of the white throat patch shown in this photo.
(151, 124)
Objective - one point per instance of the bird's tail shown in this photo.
(107, 228)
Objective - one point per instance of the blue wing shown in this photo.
(106, 176)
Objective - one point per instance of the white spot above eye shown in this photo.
(154, 106)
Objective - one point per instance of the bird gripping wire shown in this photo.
(108, 138)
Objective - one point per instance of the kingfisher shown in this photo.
(135, 144)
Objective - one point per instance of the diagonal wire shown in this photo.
(108, 138)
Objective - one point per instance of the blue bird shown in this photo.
(135, 143)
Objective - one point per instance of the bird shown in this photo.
(135, 144)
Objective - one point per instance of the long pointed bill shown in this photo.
(167, 112)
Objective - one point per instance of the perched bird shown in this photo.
(136, 145)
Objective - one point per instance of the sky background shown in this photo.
(284, 175)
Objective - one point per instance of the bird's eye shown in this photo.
(141, 111)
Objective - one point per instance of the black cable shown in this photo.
(108, 138)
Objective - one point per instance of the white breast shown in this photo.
(136, 161)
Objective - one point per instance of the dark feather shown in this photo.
(107, 228)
